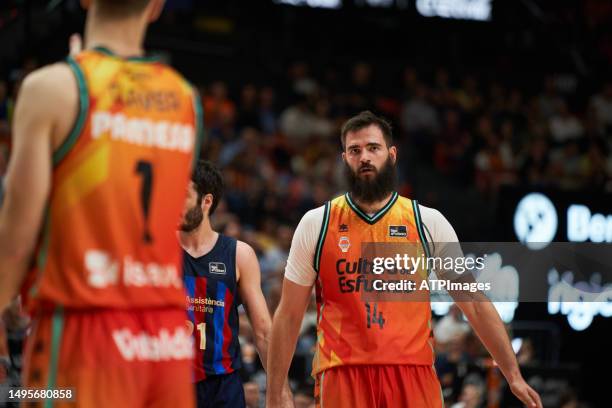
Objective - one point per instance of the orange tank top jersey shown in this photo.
(353, 329)
(119, 187)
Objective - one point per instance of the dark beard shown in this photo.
(193, 219)
(375, 189)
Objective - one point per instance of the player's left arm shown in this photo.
(28, 179)
(487, 324)
(249, 287)
(479, 310)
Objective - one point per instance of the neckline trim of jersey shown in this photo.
(377, 215)
(107, 51)
(214, 248)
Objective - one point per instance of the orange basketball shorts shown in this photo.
(381, 386)
(112, 358)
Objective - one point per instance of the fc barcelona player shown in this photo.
(103, 149)
(371, 355)
(219, 273)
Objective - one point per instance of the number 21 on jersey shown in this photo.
(202, 329)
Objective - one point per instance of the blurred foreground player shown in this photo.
(103, 150)
(219, 274)
(371, 354)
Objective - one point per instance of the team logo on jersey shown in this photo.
(344, 244)
(102, 269)
(398, 231)
(217, 268)
(343, 228)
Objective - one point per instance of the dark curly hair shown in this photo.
(208, 180)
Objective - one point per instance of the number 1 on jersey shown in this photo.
(145, 170)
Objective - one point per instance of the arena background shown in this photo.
(484, 112)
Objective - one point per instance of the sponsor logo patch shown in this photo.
(398, 231)
(217, 268)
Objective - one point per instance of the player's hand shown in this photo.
(75, 44)
(525, 393)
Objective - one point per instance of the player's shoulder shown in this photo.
(314, 214)
(436, 225)
(312, 220)
(430, 213)
(49, 93)
(50, 78)
(244, 250)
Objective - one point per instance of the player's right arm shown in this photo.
(285, 331)
(46, 108)
(297, 288)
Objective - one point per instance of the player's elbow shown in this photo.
(14, 251)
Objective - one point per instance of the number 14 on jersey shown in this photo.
(373, 316)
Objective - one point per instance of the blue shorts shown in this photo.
(221, 391)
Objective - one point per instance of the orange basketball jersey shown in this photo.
(352, 328)
(119, 187)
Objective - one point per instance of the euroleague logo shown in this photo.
(535, 221)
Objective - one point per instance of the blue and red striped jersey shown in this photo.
(212, 309)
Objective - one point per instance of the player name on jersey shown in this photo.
(143, 132)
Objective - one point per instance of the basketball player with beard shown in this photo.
(371, 354)
(219, 274)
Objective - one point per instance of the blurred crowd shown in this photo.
(278, 147)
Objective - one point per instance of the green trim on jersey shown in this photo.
(199, 123)
(378, 215)
(57, 327)
(73, 136)
(108, 52)
(322, 235)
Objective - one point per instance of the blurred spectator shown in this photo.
(301, 81)
(549, 100)
(360, 93)
(451, 326)
(296, 122)
(494, 161)
(304, 400)
(418, 114)
(4, 101)
(247, 114)
(452, 364)
(218, 108)
(453, 145)
(535, 165)
(267, 111)
(251, 395)
(472, 393)
(526, 354)
(601, 103)
(565, 126)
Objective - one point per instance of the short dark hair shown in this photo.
(363, 120)
(120, 8)
(208, 180)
